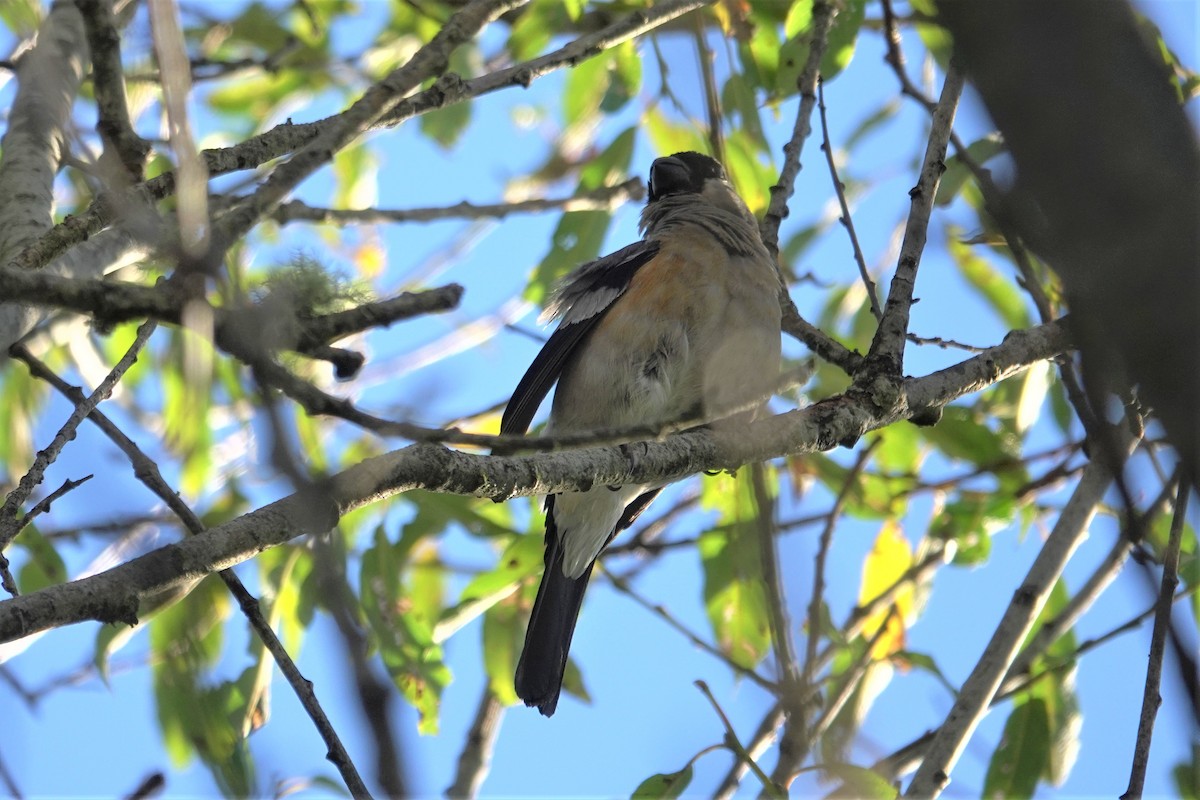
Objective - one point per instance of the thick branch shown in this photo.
(115, 595)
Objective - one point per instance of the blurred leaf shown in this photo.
(503, 636)
(737, 96)
(531, 33)
(22, 17)
(186, 376)
(857, 782)
(573, 682)
(839, 49)
(1000, 293)
(624, 77)
(355, 170)
(520, 559)
(869, 496)
(889, 559)
(748, 173)
(185, 641)
(923, 661)
(957, 172)
(960, 435)
(970, 520)
(446, 125)
(284, 572)
(402, 617)
(871, 123)
(664, 786)
(936, 38)
(734, 593)
(1020, 760)
(899, 449)
(258, 98)
(1187, 776)
(587, 83)
(669, 137)
(20, 397)
(44, 567)
(580, 234)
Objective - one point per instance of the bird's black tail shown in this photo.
(551, 626)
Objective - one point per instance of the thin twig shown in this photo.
(10, 525)
(770, 789)
(846, 219)
(712, 100)
(661, 612)
(604, 198)
(763, 737)
(886, 355)
(1151, 699)
(148, 473)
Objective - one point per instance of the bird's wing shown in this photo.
(581, 302)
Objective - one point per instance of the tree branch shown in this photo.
(985, 679)
(115, 595)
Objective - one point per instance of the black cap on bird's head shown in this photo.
(677, 182)
(682, 173)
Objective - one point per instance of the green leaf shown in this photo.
(531, 33)
(668, 137)
(842, 38)
(1187, 776)
(401, 616)
(503, 635)
(586, 85)
(734, 595)
(580, 234)
(664, 786)
(45, 566)
(1020, 760)
(999, 292)
(355, 170)
(980, 151)
(970, 520)
(520, 559)
(624, 77)
(22, 17)
(960, 435)
(858, 782)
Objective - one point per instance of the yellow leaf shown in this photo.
(890, 557)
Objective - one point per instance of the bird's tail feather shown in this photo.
(551, 626)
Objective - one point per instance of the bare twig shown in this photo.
(476, 757)
(148, 473)
(10, 525)
(661, 612)
(770, 789)
(887, 348)
(846, 219)
(712, 100)
(604, 198)
(1151, 699)
(108, 81)
(763, 737)
(822, 20)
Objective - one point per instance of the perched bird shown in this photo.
(682, 325)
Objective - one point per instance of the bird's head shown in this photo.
(694, 176)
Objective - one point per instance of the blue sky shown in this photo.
(646, 715)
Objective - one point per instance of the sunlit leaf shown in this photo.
(890, 557)
(733, 585)
(520, 559)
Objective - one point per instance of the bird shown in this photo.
(679, 326)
